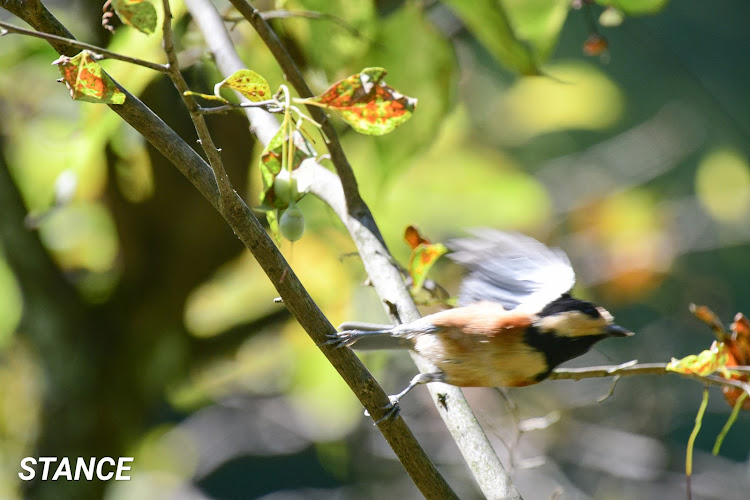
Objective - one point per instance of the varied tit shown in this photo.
(516, 322)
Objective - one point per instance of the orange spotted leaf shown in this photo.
(87, 81)
(248, 83)
(705, 363)
(139, 14)
(595, 45)
(367, 103)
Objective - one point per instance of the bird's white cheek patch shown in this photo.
(572, 324)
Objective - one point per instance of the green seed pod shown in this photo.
(292, 223)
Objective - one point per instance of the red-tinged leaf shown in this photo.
(706, 315)
(595, 45)
(367, 103)
(271, 163)
(248, 83)
(423, 257)
(87, 81)
(139, 14)
(741, 326)
(739, 344)
(705, 363)
(413, 237)
(739, 355)
(734, 394)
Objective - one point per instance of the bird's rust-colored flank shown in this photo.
(473, 342)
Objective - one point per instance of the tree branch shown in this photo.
(340, 193)
(212, 153)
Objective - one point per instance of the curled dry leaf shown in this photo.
(424, 254)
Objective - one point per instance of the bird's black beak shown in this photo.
(618, 331)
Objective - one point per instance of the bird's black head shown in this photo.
(567, 328)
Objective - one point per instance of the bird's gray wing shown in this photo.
(512, 269)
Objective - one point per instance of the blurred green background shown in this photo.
(133, 323)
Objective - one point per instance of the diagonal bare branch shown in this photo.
(340, 193)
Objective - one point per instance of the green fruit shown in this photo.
(285, 187)
(292, 223)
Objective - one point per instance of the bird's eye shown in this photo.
(589, 310)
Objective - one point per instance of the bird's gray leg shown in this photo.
(349, 337)
(421, 378)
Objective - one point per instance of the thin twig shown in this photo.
(338, 157)
(642, 369)
(9, 28)
(226, 191)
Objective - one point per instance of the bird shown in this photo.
(516, 319)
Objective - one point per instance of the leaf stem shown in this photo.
(691, 441)
(212, 153)
(307, 101)
(730, 422)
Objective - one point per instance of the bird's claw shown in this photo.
(338, 340)
(392, 411)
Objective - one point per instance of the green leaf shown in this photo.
(271, 163)
(367, 103)
(272, 217)
(490, 24)
(87, 81)
(537, 23)
(139, 14)
(248, 83)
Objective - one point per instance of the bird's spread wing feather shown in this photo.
(510, 268)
